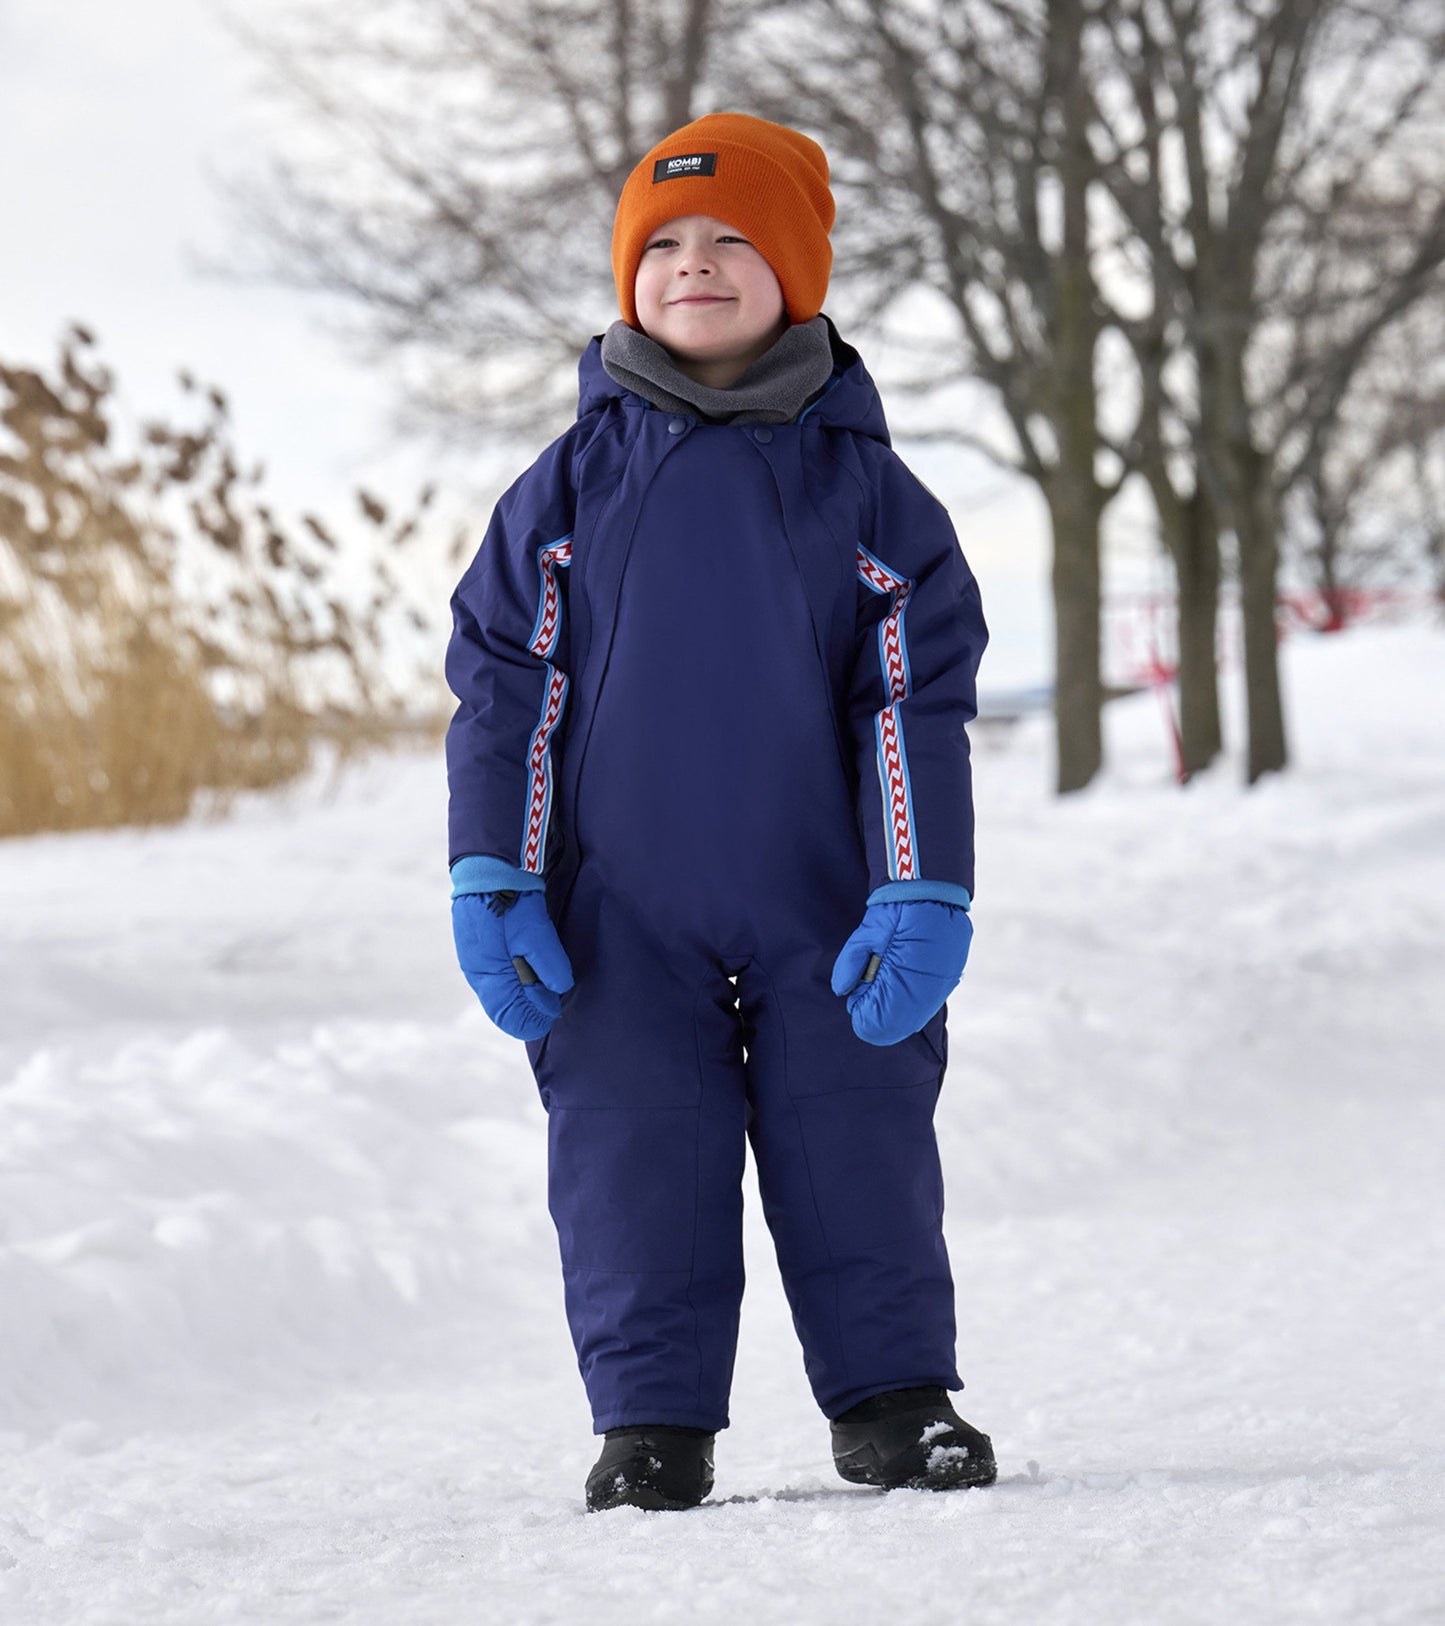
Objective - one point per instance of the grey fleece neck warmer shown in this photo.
(773, 390)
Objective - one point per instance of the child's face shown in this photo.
(707, 296)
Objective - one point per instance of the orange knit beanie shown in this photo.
(767, 181)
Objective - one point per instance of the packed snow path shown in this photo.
(282, 1336)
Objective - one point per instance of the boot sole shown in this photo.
(921, 1467)
(639, 1496)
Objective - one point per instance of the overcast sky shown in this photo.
(116, 117)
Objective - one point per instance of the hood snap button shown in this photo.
(762, 436)
(675, 426)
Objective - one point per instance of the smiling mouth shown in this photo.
(702, 299)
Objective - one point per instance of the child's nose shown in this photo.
(697, 261)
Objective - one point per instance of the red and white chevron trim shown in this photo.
(560, 553)
(892, 756)
(539, 768)
(539, 756)
(895, 672)
(878, 576)
(895, 794)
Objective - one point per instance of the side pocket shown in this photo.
(536, 1048)
(934, 1034)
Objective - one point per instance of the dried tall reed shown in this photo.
(162, 633)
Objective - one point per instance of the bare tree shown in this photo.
(1367, 512)
(1136, 138)
(960, 145)
(1255, 134)
(1354, 471)
(1430, 477)
(456, 174)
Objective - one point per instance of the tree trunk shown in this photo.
(1073, 494)
(1196, 563)
(1078, 696)
(1254, 524)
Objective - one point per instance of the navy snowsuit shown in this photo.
(713, 685)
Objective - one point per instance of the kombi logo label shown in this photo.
(690, 163)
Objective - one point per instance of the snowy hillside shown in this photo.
(281, 1334)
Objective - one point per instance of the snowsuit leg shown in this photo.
(645, 1094)
(650, 1099)
(852, 1188)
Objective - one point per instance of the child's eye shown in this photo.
(732, 239)
(662, 242)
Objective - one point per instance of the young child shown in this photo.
(714, 661)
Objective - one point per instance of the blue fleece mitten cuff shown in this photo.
(938, 891)
(478, 872)
(922, 947)
(491, 934)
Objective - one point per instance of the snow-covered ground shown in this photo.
(281, 1335)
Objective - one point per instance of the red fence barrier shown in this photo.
(1141, 633)
(1141, 630)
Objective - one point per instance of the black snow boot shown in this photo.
(651, 1466)
(912, 1438)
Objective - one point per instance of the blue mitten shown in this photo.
(495, 930)
(921, 947)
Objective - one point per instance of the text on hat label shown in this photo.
(690, 163)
